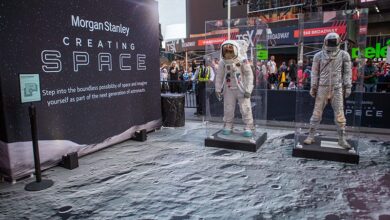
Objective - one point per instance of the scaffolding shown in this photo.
(271, 7)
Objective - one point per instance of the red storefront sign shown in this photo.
(209, 41)
(314, 32)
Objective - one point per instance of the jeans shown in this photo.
(370, 87)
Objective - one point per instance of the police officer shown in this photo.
(204, 74)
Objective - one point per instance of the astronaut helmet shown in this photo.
(234, 50)
(229, 50)
(332, 42)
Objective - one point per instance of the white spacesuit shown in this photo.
(331, 79)
(234, 79)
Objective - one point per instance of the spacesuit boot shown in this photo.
(227, 129)
(248, 130)
(247, 133)
(342, 140)
(310, 138)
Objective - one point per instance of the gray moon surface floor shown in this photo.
(173, 176)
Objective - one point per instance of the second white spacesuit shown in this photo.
(331, 80)
(234, 79)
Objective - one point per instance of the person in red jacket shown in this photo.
(355, 75)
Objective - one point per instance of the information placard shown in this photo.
(30, 88)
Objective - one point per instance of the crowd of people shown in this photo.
(176, 78)
(286, 76)
(376, 76)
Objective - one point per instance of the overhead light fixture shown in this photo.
(377, 9)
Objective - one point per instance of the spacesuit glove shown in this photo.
(247, 95)
(313, 91)
(219, 95)
(347, 92)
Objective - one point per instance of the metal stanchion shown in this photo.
(39, 184)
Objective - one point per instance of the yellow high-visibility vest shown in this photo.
(207, 76)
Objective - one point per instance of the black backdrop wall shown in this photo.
(98, 66)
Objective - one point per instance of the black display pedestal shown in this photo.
(316, 151)
(172, 106)
(235, 141)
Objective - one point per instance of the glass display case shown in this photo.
(236, 99)
(329, 80)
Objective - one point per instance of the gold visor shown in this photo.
(228, 51)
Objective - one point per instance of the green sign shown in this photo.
(30, 89)
(372, 52)
(261, 52)
(388, 55)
